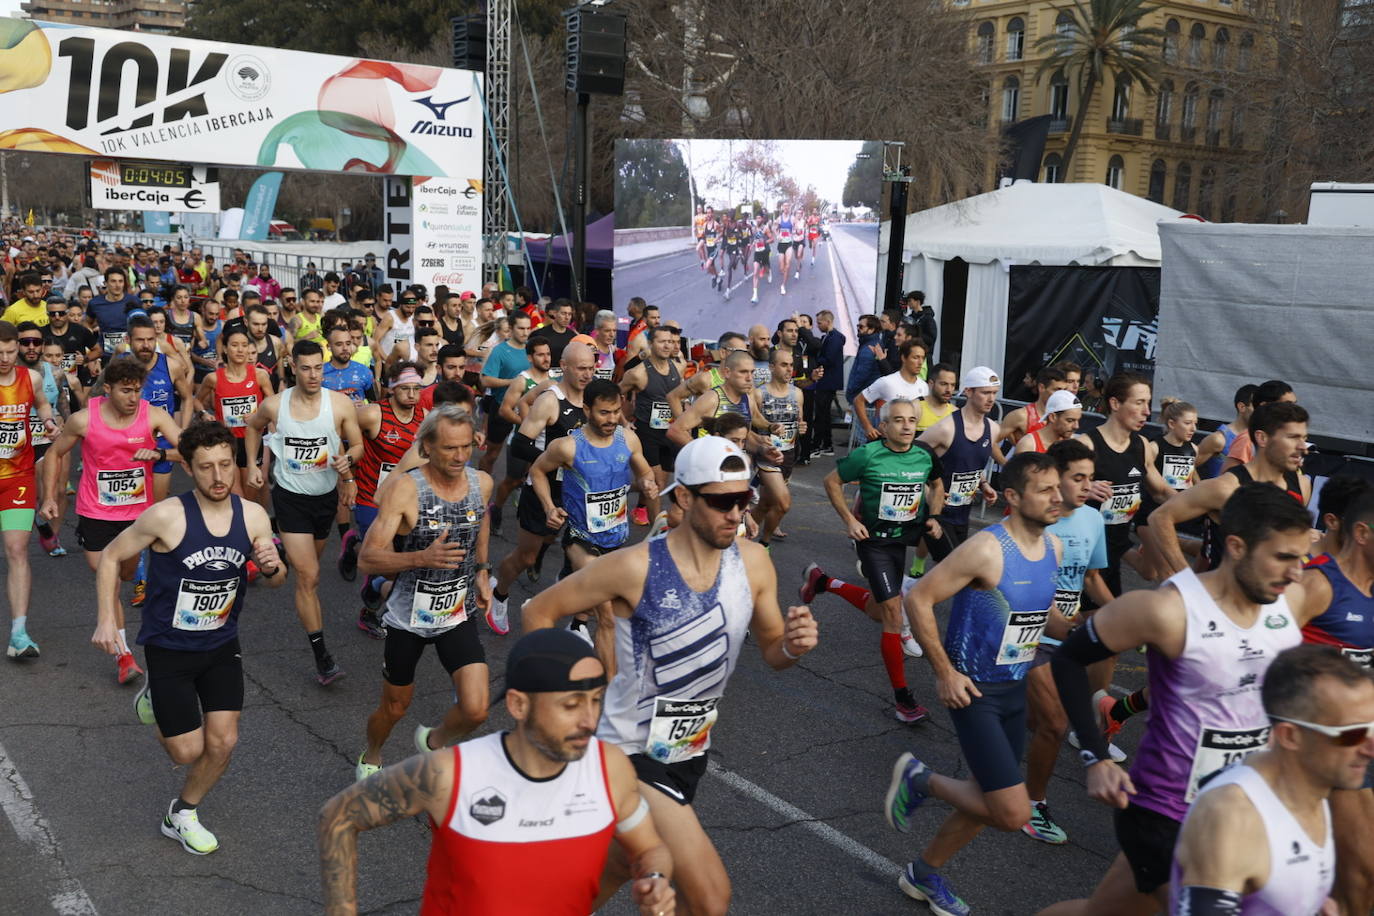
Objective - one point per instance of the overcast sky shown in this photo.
(8, 7)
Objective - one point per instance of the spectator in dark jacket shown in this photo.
(865, 370)
(829, 376)
(922, 316)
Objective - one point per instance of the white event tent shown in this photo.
(1023, 223)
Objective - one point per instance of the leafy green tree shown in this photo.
(652, 187)
(1103, 37)
(863, 187)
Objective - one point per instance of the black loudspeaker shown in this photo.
(470, 42)
(596, 51)
(1025, 142)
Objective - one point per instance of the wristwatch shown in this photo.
(481, 567)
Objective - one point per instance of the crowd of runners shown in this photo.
(735, 242)
(661, 473)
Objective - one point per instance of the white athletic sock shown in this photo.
(123, 643)
(1035, 802)
(17, 625)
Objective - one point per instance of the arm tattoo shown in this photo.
(408, 788)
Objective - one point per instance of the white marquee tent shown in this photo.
(1024, 223)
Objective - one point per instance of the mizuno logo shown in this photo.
(440, 109)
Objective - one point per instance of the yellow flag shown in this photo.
(30, 219)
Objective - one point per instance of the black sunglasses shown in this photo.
(724, 502)
(57, 312)
(424, 324)
(30, 341)
(288, 299)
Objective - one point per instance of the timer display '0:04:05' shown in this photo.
(155, 176)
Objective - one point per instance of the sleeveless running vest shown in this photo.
(596, 490)
(428, 602)
(963, 464)
(781, 410)
(307, 329)
(725, 405)
(158, 390)
(993, 633)
(652, 412)
(1348, 622)
(1213, 466)
(114, 486)
(1035, 421)
(401, 329)
(184, 331)
(1301, 872)
(267, 356)
(236, 401)
(1125, 471)
(784, 232)
(928, 417)
(38, 430)
(1213, 543)
(763, 372)
(16, 447)
(382, 454)
(674, 656)
(501, 823)
(195, 591)
(1205, 710)
(305, 449)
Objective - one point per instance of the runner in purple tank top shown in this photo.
(1211, 639)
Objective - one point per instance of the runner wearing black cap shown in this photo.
(506, 838)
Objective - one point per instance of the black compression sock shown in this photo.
(1130, 705)
(317, 646)
(343, 528)
(44, 529)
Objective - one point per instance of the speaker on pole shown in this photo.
(470, 42)
(596, 51)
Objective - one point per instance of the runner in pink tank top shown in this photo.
(114, 486)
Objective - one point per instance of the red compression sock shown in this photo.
(856, 595)
(893, 660)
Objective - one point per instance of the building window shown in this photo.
(1011, 98)
(1164, 112)
(1188, 122)
(1121, 101)
(1216, 101)
(1158, 173)
(987, 37)
(1016, 39)
(1054, 169)
(1247, 48)
(1196, 37)
(1115, 168)
(1237, 124)
(1126, 30)
(1221, 43)
(1059, 96)
(1206, 187)
(1183, 187)
(1063, 23)
(1171, 35)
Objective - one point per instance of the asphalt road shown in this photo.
(799, 765)
(843, 280)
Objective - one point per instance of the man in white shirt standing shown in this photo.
(906, 382)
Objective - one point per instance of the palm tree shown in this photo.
(1103, 37)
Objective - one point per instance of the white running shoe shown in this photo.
(422, 739)
(364, 769)
(497, 617)
(909, 644)
(184, 827)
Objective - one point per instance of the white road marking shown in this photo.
(68, 897)
(880, 864)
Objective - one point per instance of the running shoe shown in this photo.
(348, 555)
(184, 827)
(640, 516)
(535, 570)
(329, 672)
(1042, 827)
(369, 624)
(21, 646)
(494, 513)
(796, 275)
(497, 617)
(582, 628)
(1117, 754)
(127, 670)
(422, 733)
(813, 583)
(754, 299)
(52, 546)
(140, 593)
(902, 798)
(1105, 701)
(143, 705)
(934, 891)
(372, 598)
(910, 647)
(826, 452)
(364, 769)
(782, 290)
(910, 712)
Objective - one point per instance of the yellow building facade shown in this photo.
(1184, 145)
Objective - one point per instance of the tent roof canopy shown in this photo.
(1050, 223)
(600, 242)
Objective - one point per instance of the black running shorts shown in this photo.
(457, 648)
(992, 734)
(182, 684)
(883, 564)
(95, 534)
(298, 513)
(1147, 839)
(678, 781)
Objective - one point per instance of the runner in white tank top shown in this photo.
(1322, 708)
(682, 605)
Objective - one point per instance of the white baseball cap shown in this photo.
(1062, 400)
(981, 377)
(699, 463)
